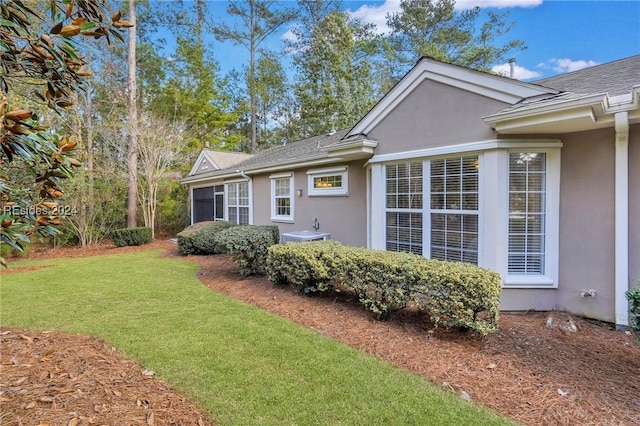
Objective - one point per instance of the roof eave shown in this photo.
(587, 113)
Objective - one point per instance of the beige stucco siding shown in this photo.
(587, 227)
(344, 217)
(435, 115)
(634, 205)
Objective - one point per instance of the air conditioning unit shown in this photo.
(299, 236)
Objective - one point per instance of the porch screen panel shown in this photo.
(203, 204)
(454, 209)
(404, 202)
(527, 199)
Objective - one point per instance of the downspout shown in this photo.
(621, 218)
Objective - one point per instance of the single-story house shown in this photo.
(537, 181)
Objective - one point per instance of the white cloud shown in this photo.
(564, 65)
(377, 15)
(519, 73)
(500, 4)
(289, 36)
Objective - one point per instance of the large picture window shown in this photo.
(454, 209)
(527, 195)
(238, 202)
(282, 197)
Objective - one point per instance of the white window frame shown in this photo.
(274, 210)
(408, 210)
(493, 209)
(552, 226)
(228, 205)
(343, 172)
(429, 211)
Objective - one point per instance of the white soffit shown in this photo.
(491, 86)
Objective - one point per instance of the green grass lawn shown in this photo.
(241, 364)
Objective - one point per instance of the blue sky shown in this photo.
(561, 36)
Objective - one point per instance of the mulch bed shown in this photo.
(527, 371)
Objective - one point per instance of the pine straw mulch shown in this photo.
(526, 371)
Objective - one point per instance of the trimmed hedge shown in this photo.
(454, 295)
(131, 236)
(308, 267)
(248, 245)
(201, 238)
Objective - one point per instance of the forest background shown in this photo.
(326, 74)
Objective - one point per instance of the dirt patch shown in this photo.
(526, 371)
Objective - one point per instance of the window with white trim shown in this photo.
(404, 215)
(328, 182)
(238, 202)
(527, 217)
(454, 209)
(282, 197)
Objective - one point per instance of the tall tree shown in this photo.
(132, 156)
(158, 147)
(434, 28)
(259, 19)
(271, 87)
(335, 86)
(48, 61)
(185, 86)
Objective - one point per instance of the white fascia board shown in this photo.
(590, 101)
(479, 146)
(196, 164)
(190, 180)
(492, 86)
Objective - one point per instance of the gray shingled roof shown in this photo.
(226, 159)
(614, 78)
(305, 149)
(299, 150)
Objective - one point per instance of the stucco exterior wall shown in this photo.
(634, 206)
(344, 217)
(435, 115)
(587, 227)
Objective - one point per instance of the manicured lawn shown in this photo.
(243, 365)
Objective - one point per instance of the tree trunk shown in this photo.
(252, 77)
(132, 197)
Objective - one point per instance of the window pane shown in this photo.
(527, 198)
(404, 232)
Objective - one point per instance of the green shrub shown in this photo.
(201, 238)
(131, 236)
(383, 281)
(454, 295)
(633, 296)
(248, 246)
(309, 266)
(459, 295)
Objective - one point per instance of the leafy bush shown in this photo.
(633, 296)
(131, 236)
(459, 295)
(248, 246)
(201, 238)
(454, 295)
(384, 282)
(309, 266)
